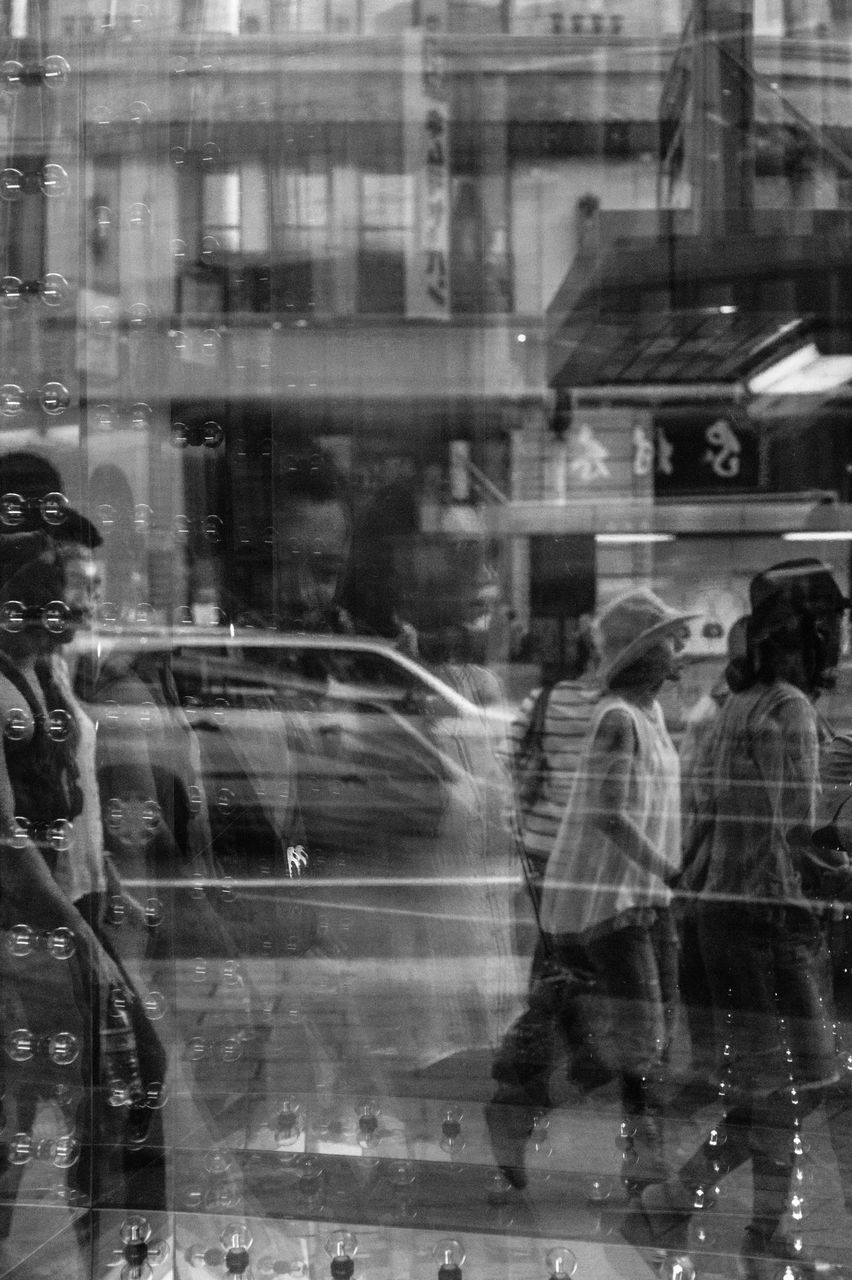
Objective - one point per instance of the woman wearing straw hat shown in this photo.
(618, 846)
(760, 936)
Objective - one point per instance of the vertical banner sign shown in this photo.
(427, 133)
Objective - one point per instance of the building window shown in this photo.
(300, 230)
(386, 227)
(222, 209)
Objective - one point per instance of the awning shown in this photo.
(707, 353)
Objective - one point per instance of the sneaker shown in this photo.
(656, 1223)
(509, 1127)
(757, 1248)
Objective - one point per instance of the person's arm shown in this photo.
(518, 729)
(798, 784)
(612, 762)
(28, 884)
(828, 870)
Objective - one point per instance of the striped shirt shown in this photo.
(593, 881)
(570, 708)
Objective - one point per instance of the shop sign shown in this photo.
(588, 457)
(700, 451)
(607, 450)
(428, 159)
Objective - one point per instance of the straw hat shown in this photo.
(632, 625)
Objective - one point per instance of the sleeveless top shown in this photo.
(590, 882)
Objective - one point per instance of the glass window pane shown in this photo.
(425, 687)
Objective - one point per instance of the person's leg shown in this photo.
(662, 1212)
(522, 1067)
(628, 967)
(730, 953)
(805, 1010)
(697, 1002)
(756, 974)
(665, 943)
(777, 1119)
(528, 1055)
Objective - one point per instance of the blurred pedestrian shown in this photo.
(699, 1082)
(606, 882)
(760, 935)
(545, 747)
(58, 883)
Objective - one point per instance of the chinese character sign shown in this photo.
(428, 160)
(588, 457)
(698, 451)
(724, 451)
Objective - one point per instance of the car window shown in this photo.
(379, 678)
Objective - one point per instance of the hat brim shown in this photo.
(642, 643)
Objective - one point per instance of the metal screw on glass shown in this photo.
(18, 724)
(236, 1240)
(50, 180)
(598, 1190)
(21, 940)
(60, 943)
(53, 290)
(12, 399)
(677, 1267)
(54, 398)
(53, 72)
(451, 1135)
(65, 1152)
(155, 913)
(311, 1176)
(218, 1162)
(341, 1247)
(288, 1123)
(561, 1262)
(20, 1149)
(368, 1122)
(450, 1256)
(135, 1233)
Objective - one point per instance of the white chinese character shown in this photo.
(588, 460)
(296, 859)
(643, 452)
(725, 449)
(665, 454)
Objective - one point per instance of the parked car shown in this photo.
(388, 761)
(357, 817)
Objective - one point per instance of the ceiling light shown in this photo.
(802, 373)
(625, 539)
(825, 522)
(805, 535)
